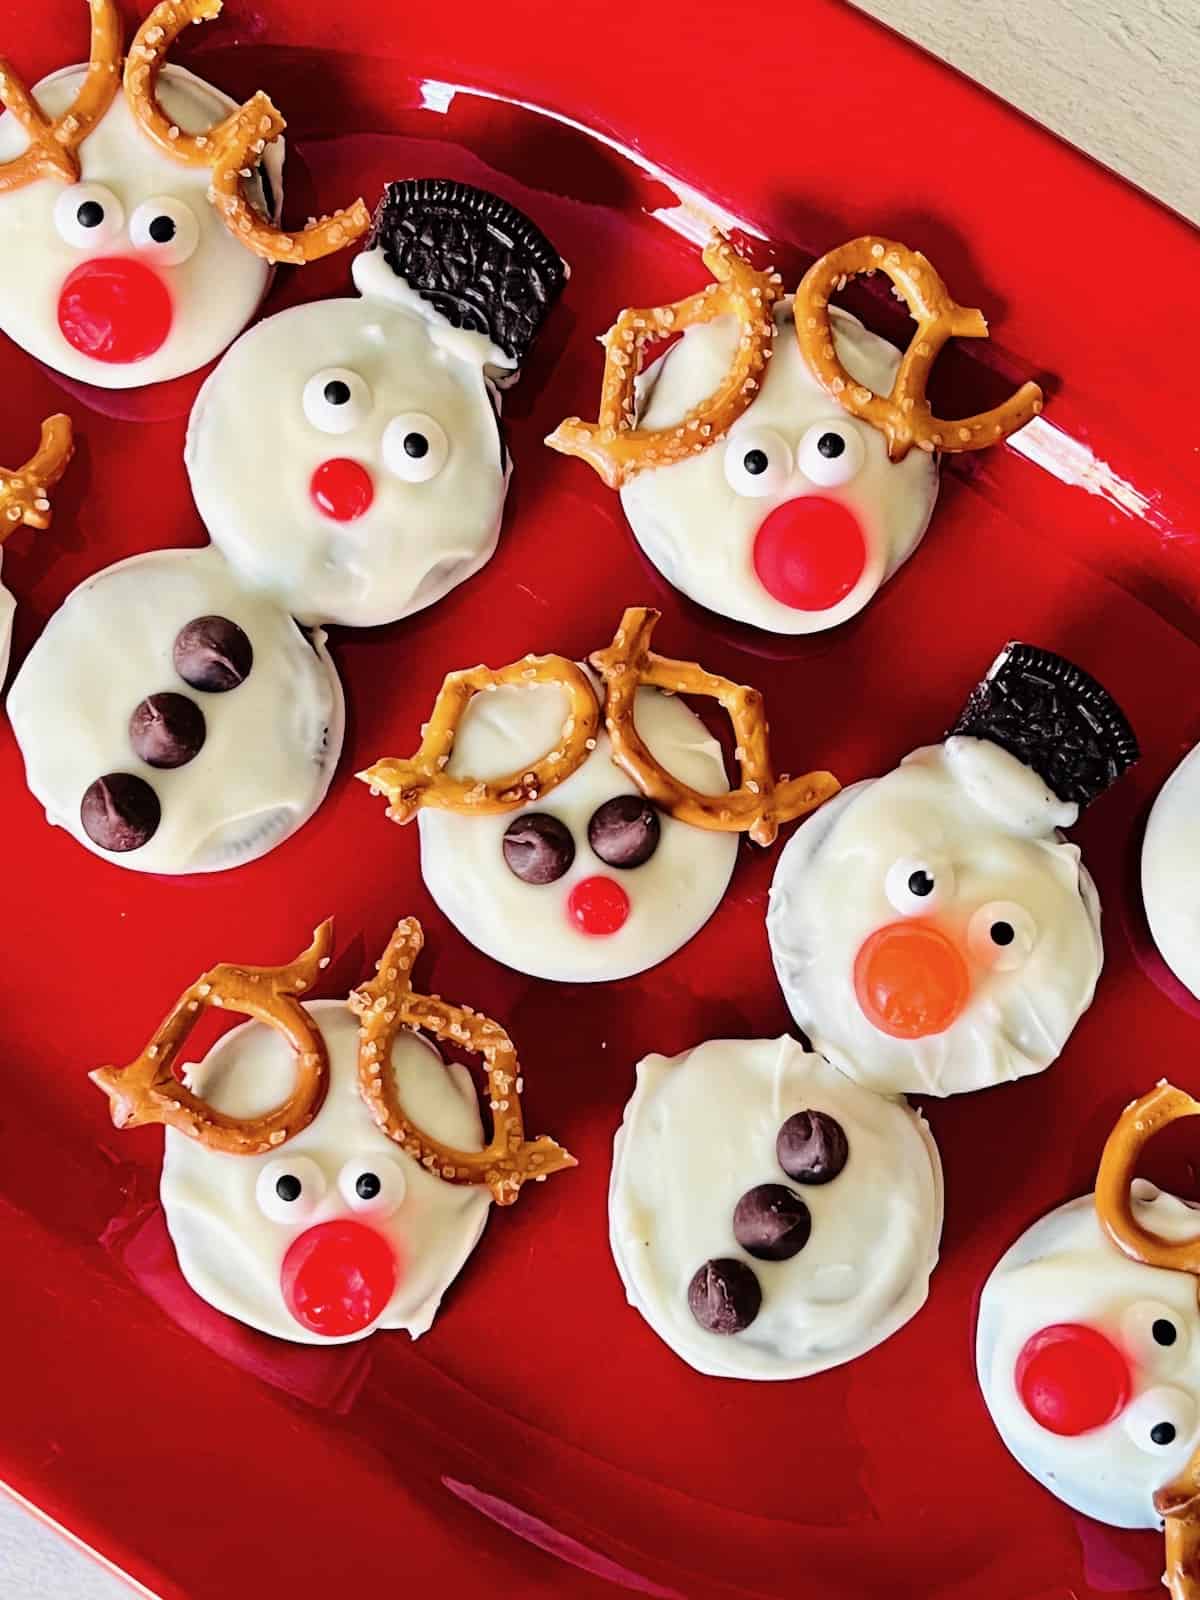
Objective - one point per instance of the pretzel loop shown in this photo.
(385, 1006)
(1135, 1128)
(147, 1090)
(903, 415)
(423, 779)
(53, 146)
(759, 804)
(25, 491)
(615, 446)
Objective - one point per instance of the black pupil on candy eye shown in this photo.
(920, 883)
(755, 462)
(337, 392)
(367, 1186)
(162, 230)
(1003, 933)
(90, 214)
(288, 1186)
(416, 445)
(1163, 1432)
(1163, 1331)
(831, 445)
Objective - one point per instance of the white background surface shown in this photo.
(1118, 78)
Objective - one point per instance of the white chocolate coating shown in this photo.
(271, 744)
(698, 1133)
(1171, 871)
(8, 609)
(526, 926)
(699, 531)
(970, 812)
(231, 1252)
(418, 539)
(1064, 1270)
(214, 293)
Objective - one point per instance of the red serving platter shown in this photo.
(540, 1440)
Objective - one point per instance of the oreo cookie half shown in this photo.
(1053, 716)
(479, 261)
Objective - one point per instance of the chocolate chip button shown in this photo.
(724, 1295)
(624, 832)
(812, 1147)
(120, 812)
(538, 848)
(771, 1222)
(167, 730)
(213, 654)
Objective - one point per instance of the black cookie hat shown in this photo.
(477, 260)
(1055, 718)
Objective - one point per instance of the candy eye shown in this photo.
(916, 885)
(336, 400)
(374, 1187)
(830, 454)
(757, 462)
(624, 832)
(415, 447)
(290, 1189)
(1154, 1334)
(166, 230)
(537, 847)
(1159, 1419)
(1001, 935)
(87, 215)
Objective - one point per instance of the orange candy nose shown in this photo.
(910, 980)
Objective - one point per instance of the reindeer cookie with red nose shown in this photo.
(932, 930)
(766, 462)
(326, 1173)
(139, 208)
(385, 481)
(582, 828)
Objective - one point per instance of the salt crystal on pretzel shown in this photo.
(24, 491)
(903, 416)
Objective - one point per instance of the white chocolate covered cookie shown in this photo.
(1171, 871)
(768, 1217)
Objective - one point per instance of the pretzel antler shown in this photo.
(615, 446)
(387, 1004)
(759, 804)
(424, 781)
(230, 147)
(147, 1090)
(903, 416)
(25, 491)
(53, 146)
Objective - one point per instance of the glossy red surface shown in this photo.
(540, 1440)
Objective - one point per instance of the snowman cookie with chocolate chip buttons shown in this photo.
(580, 826)
(174, 722)
(139, 209)
(766, 461)
(932, 930)
(768, 1217)
(382, 482)
(325, 1172)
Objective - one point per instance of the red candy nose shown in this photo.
(910, 980)
(1072, 1378)
(338, 1277)
(115, 309)
(598, 906)
(810, 552)
(342, 489)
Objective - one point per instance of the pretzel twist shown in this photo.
(1135, 1128)
(147, 1090)
(423, 779)
(615, 446)
(385, 1006)
(25, 491)
(903, 415)
(759, 804)
(53, 145)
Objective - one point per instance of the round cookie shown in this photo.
(622, 885)
(173, 722)
(769, 1218)
(240, 1224)
(1171, 872)
(794, 472)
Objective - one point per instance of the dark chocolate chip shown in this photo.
(537, 847)
(120, 812)
(288, 1187)
(367, 1185)
(167, 730)
(724, 1295)
(771, 1222)
(1163, 1433)
(1164, 1332)
(624, 832)
(213, 654)
(812, 1147)
(162, 230)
